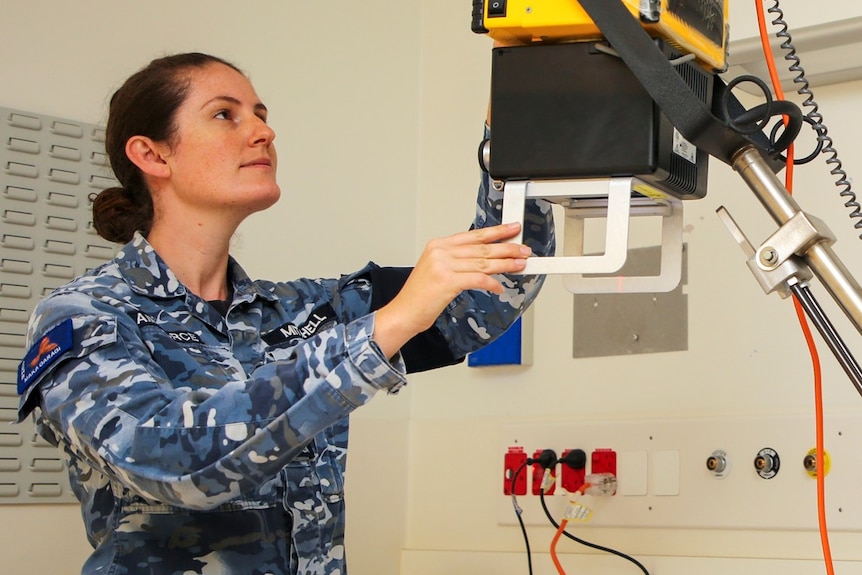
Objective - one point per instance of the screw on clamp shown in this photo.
(768, 257)
(773, 271)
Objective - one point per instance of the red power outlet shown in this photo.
(514, 459)
(604, 461)
(539, 473)
(571, 479)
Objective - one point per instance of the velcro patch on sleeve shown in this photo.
(44, 352)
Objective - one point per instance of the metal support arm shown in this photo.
(786, 260)
(818, 255)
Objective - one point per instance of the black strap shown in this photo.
(692, 117)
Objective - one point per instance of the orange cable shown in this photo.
(554, 541)
(803, 322)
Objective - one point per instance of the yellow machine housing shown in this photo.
(692, 27)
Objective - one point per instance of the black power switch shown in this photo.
(496, 8)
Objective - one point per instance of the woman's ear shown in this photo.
(148, 156)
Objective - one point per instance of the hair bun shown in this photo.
(116, 216)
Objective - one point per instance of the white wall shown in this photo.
(378, 108)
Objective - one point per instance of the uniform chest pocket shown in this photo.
(187, 358)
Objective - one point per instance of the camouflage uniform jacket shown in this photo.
(203, 443)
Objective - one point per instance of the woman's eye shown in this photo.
(223, 115)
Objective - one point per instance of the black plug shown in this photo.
(547, 459)
(575, 458)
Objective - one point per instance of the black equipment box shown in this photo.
(571, 111)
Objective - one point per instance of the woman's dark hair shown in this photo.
(145, 105)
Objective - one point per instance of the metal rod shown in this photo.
(827, 331)
(843, 288)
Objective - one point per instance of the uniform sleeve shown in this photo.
(110, 404)
(476, 318)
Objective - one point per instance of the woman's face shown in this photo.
(222, 156)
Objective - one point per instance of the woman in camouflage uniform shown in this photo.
(203, 415)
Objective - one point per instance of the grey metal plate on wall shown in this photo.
(633, 323)
(48, 169)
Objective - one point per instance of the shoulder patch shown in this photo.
(43, 353)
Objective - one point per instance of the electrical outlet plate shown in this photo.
(663, 479)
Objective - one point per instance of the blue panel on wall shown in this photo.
(505, 350)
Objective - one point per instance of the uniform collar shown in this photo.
(148, 274)
(243, 286)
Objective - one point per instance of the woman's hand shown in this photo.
(447, 267)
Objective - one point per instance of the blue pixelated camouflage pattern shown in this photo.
(193, 445)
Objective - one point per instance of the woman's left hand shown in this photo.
(448, 266)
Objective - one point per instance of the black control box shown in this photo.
(572, 111)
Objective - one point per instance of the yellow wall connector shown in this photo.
(810, 463)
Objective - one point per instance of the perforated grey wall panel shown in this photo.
(48, 169)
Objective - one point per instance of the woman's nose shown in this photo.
(263, 133)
